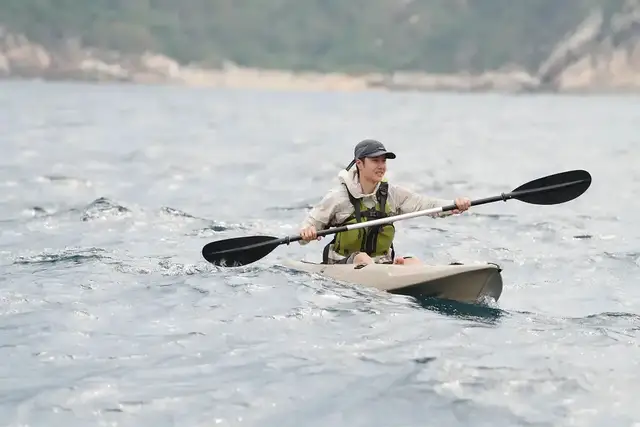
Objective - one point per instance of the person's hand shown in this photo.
(309, 233)
(463, 204)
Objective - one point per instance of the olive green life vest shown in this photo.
(374, 241)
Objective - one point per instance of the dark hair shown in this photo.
(358, 169)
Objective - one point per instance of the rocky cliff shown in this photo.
(21, 58)
(602, 54)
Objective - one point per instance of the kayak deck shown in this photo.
(460, 282)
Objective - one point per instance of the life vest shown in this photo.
(376, 240)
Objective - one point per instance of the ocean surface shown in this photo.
(110, 316)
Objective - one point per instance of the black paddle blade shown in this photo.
(239, 251)
(554, 189)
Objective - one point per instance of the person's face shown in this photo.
(372, 168)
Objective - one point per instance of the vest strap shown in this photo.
(370, 241)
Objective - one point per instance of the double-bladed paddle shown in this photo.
(549, 190)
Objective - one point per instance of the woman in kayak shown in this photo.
(364, 194)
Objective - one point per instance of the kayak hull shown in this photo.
(470, 283)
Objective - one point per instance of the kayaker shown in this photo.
(363, 193)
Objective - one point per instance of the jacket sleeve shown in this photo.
(321, 214)
(410, 201)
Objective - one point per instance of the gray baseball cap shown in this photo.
(371, 148)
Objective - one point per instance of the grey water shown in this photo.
(110, 316)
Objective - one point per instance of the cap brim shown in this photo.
(387, 154)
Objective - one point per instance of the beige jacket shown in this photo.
(335, 206)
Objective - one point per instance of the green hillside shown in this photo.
(325, 35)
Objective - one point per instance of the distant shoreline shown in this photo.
(291, 81)
(586, 62)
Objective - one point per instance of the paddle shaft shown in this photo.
(503, 197)
(549, 190)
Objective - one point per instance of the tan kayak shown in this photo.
(469, 283)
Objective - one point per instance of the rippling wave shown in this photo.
(109, 315)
